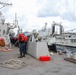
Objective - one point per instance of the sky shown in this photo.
(33, 14)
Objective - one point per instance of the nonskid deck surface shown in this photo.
(56, 66)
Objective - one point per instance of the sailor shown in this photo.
(21, 39)
(26, 41)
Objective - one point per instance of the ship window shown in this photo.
(73, 40)
(3, 32)
(30, 38)
(69, 36)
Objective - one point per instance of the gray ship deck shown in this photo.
(57, 65)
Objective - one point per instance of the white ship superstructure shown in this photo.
(62, 40)
(5, 27)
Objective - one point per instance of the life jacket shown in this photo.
(25, 38)
(21, 37)
(2, 42)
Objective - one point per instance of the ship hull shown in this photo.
(63, 48)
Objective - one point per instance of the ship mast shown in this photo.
(4, 4)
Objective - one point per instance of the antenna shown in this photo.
(4, 4)
(15, 22)
(45, 26)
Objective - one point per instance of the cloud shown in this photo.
(47, 13)
(32, 14)
(69, 16)
(66, 9)
(49, 8)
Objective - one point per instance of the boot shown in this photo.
(20, 57)
(23, 56)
